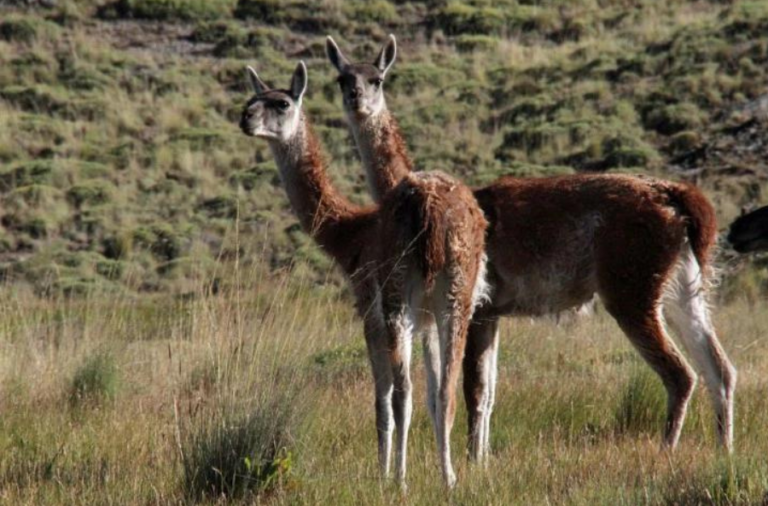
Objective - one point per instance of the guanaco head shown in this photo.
(362, 84)
(750, 231)
(274, 114)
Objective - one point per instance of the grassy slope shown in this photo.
(122, 166)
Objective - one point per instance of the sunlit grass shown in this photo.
(267, 392)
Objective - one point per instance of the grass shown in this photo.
(95, 380)
(119, 140)
(264, 392)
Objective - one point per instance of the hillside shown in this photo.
(121, 166)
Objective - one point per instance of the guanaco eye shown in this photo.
(376, 81)
(283, 105)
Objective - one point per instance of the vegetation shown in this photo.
(169, 335)
(120, 140)
(96, 379)
(264, 394)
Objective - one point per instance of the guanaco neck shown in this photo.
(326, 215)
(383, 151)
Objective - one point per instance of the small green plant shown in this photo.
(235, 454)
(348, 361)
(642, 406)
(97, 379)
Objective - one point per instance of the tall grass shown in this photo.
(261, 392)
(96, 379)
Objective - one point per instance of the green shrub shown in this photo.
(96, 379)
(468, 42)
(223, 206)
(685, 141)
(89, 193)
(211, 32)
(457, 18)
(374, 11)
(162, 240)
(118, 246)
(34, 172)
(674, 118)
(18, 30)
(266, 11)
(36, 227)
(234, 454)
(110, 269)
(171, 10)
(627, 152)
(643, 404)
(33, 99)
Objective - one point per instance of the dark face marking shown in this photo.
(266, 111)
(361, 87)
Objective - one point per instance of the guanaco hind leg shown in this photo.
(687, 313)
(480, 374)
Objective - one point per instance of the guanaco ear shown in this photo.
(387, 55)
(334, 54)
(299, 83)
(258, 85)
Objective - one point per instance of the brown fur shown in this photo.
(392, 161)
(618, 236)
(427, 207)
(702, 221)
(554, 243)
(427, 231)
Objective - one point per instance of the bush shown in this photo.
(33, 99)
(643, 405)
(211, 32)
(234, 454)
(685, 141)
(375, 11)
(626, 152)
(299, 15)
(117, 247)
(18, 30)
(36, 227)
(476, 43)
(170, 10)
(223, 206)
(675, 118)
(162, 240)
(97, 379)
(110, 269)
(28, 173)
(89, 193)
(457, 18)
